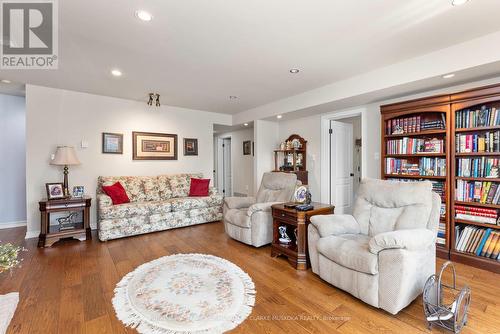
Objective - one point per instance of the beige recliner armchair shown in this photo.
(385, 251)
(249, 219)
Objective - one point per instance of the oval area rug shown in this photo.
(184, 293)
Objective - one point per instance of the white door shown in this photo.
(227, 188)
(341, 169)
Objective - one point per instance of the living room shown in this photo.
(235, 167)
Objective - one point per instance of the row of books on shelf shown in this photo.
(438, 187)
(441, 236)
(413, 124)
(408, 145)
(424, 167)
(478, 241)
(477, 191)
(478, 167)
(478, 215)
(488, 141)
(477, 118)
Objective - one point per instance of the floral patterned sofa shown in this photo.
(156, 203)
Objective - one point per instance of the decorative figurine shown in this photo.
(285, 239)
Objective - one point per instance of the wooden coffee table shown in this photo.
(296, 223)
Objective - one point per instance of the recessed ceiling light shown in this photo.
(233, 97)
(448, 76)
(246, 124)
(279, 116)
(458, 2)
(6, 81)
(116, 73)
(294, 70)
(143, 15)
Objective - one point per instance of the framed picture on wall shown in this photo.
(154, 146)
(247, 147)
(190, 146)
(54, 190)
(112, 143)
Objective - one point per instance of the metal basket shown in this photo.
(452, 316)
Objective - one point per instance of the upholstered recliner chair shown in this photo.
(249, 219)
(385, 251)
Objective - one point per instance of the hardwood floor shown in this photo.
(68, 288)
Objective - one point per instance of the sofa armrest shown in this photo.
(104, 200)
(335, 225)
(212, 191)
(412, 239)
(239, 202)
(265, 207)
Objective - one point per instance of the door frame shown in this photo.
(220, 162)
(325, 181)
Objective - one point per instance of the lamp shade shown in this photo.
(65, 155)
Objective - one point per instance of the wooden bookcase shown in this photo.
(472, 100)
(449, 105)
(428, 109)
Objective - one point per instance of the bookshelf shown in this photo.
(421, 151)
(475, 124)
(471, 138)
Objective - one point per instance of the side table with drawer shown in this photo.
(296, 223)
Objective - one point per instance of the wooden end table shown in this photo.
(66, 228)
(296, 223)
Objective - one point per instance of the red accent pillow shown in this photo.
(199, 187)
(117, 193)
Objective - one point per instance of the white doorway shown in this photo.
(341, 159)
(224, 167)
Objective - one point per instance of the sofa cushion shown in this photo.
(124, 211)
(117, 193)
(350, 251)
(134, 186)
(188, 203)
(238, 217)
(151, 188)
(180, 183)
(199, 187)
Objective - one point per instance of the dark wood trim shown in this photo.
(166, 135)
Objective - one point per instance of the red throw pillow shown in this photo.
(199, 187)
(117, 193)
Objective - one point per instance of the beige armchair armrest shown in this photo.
(335, 225)
(413, 239)
(239, 202)
(265, 207)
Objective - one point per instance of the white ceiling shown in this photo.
(197, 53)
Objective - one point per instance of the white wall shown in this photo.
(12, 161)
(242, 165)
(309, 129)
(266, 141)
(60, 117)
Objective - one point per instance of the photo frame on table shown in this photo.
(112, 143)
(54, 190)
(78, 191)
(190, 146)
(154, 146)
(247, 147)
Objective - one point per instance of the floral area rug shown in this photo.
(184, 293)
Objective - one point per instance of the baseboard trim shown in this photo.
(12, 224)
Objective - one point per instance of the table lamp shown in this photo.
(65, 156)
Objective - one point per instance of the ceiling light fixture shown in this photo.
(279, 116)
(246, 124)
(233, 97)
(5, 81)
(448, 76)
(116, 73)
(458, 2)
(143, 15)
(294, 70)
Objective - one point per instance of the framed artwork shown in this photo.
(54, 190)
(190, 146)
(253, 149)
(78, 191)
(154, 146)
(247, 147)
(112, 143)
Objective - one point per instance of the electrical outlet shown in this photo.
(376, 155)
